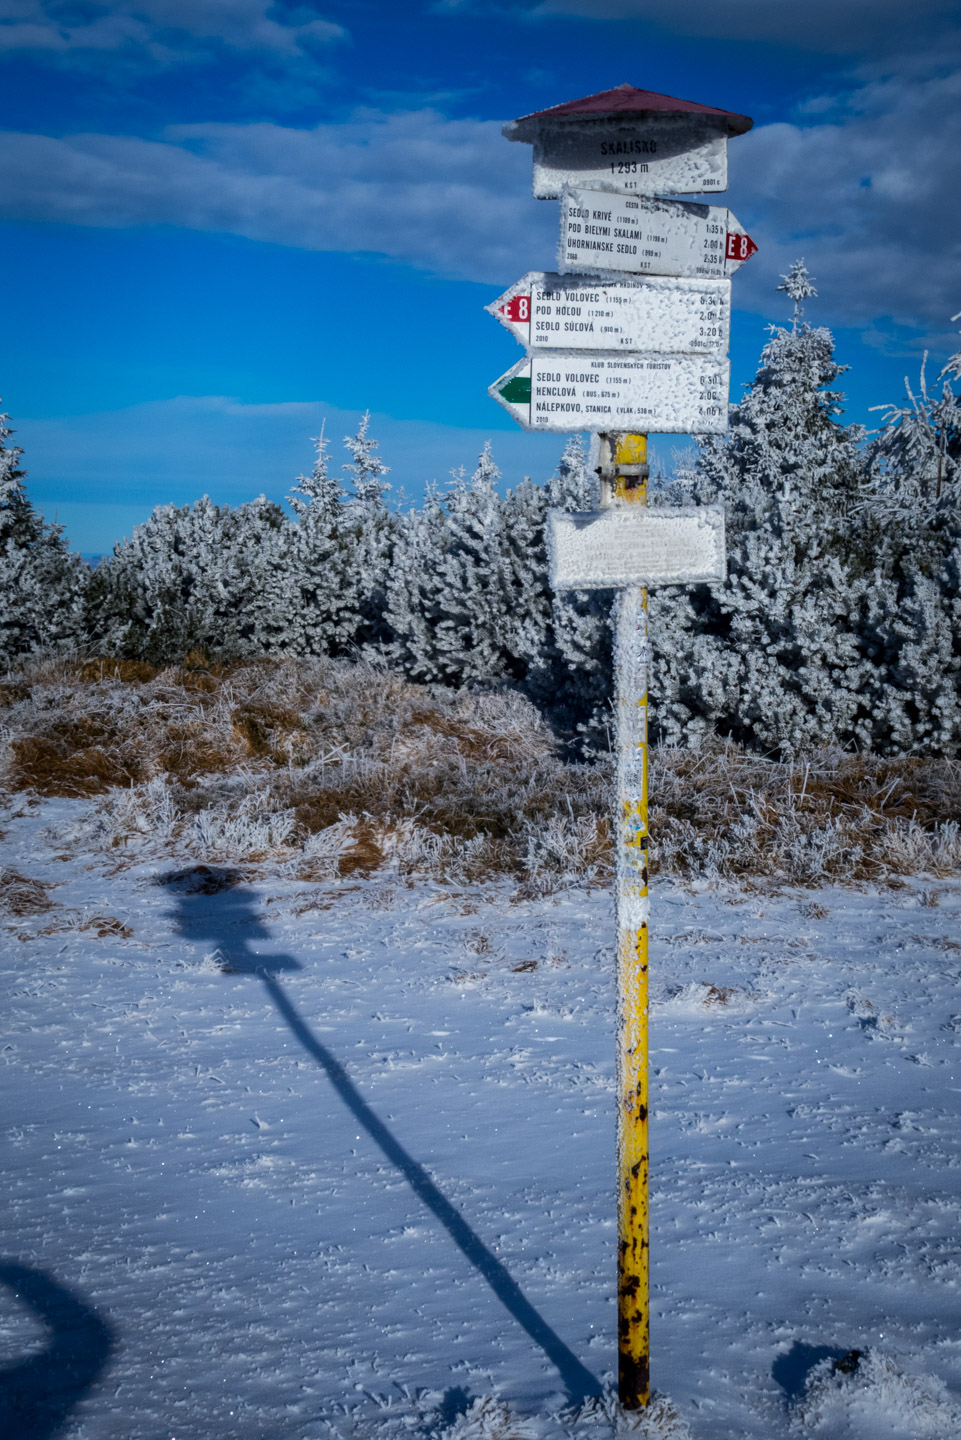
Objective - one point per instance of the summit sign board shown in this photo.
(629, 142)
(566, 391)
(600, 231)
(670, 153)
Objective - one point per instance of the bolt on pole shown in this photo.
(624, 475)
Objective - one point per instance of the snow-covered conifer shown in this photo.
(770, 658)
(199, 576)
(799, 287)
(468, 597)
(414, 588)
(909, 524)
(322, 581)
(471, 578)
(41, 582)
(375, 529)
(581, 619)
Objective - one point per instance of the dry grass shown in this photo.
(20, 895)
(836, 816)
(336, 769)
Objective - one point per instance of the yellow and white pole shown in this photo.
(624, 458)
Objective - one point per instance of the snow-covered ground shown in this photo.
(287, 1160)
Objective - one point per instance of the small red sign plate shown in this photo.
(518, 309)
(740, 247)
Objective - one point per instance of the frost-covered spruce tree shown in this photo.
(771, 658)
(194, 577)
(471, 594)
(322, 586)
(375, 529)
(468, 597)
(41, 582)
(528, 650)
(909, 525)
(414, 588)
(581, 619)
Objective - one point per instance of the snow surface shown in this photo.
(292, 1161)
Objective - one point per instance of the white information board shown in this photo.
(662, 314)
(566, 391)
(636, 545)
(649, 237)
(649, 155)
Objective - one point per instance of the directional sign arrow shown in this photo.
(567, 390)
(661, 314)
(634, 545)
(649, 237)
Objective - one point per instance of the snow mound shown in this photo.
(864, 1396)
(698, 996)
(488, 1419)
(660, 1420)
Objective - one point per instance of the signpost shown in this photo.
(575, 312)
(563, 390)
(649, 237)
(619, 355)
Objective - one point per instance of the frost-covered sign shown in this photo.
(545, 311)
(567, 390)
(631, 142)
(649, 237)
(632, 545)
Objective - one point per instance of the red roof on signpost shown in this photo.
(623, 100)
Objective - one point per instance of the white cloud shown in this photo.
(871, 198)
(165, 31)
(446, 195)
(868, 191)
(825, 26)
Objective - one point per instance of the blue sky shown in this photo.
(224, 222)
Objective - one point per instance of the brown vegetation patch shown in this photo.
(55, 764)
(265, 728)
(472, 743)
(108, 927)
(465, 787)
(718, 995)
(21, 894)
(193, 749)
(365, 853)
(10, 694)
(129, 672)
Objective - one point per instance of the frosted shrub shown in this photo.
(867, 1394)
(569, 851)
(247, 831)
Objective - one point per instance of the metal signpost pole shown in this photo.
(628, 472)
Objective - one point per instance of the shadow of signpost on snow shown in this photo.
(212, 907)
(38, 1394)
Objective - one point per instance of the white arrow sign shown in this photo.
(565, 391)
(649, 237)
(634, 545)
(545, 312)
